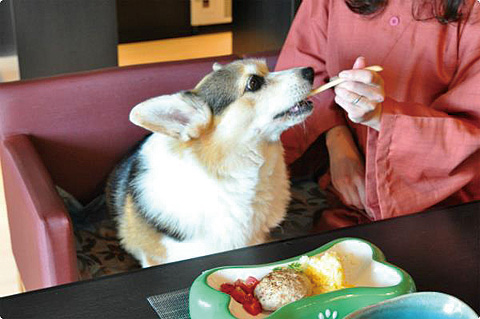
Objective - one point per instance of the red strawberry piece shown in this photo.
(243, 286)
(252, 305)
(251, 283)
(238, 294)
(227, 288)
(249, 298)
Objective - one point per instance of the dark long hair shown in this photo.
(445, 11)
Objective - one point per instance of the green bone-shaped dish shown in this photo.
(375, 280)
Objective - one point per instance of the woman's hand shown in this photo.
(347, 169)
(361, 95)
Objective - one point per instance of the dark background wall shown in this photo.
(142, 20)
(54, 37)
(261, 25)
(7, 40)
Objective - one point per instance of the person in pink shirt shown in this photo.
(403, 140)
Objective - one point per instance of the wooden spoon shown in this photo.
(336, 80)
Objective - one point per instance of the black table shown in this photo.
(439, 249)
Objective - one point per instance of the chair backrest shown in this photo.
(79, 123)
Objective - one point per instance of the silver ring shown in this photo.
(357, 100)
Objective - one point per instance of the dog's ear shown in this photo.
(216, 66)
(182, 115)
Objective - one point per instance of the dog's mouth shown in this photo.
(300, 108)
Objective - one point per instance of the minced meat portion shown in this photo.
(282, 287)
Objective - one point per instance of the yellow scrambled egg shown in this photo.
(325, 272)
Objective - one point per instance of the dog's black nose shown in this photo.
(307, 74)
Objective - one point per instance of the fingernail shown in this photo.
(343, 74)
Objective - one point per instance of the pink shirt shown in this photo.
(428, 149)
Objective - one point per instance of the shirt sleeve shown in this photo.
(425, 153)
(306, 45)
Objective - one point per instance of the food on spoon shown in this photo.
(282, 287)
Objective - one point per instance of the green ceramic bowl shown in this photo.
(374, 280)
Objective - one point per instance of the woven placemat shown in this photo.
(171, 305)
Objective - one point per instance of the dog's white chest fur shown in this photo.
(214, 213)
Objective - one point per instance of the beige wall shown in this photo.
(9, 68)
(8, 270)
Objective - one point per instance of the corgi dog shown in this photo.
(212, 176)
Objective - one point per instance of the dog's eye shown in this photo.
(254, 83)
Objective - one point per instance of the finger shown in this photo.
(356, 202)
(352, 100)
(360, 63)
(362, 75)
(347, 196)
(342, 190)
(352, 198)
(354, 193)
(373, 93)
(360, 184)
(356, 114)
(345, 199)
